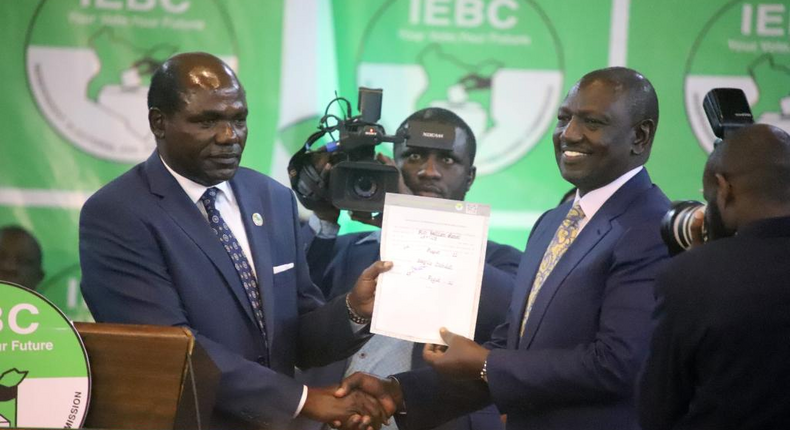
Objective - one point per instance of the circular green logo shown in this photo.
(496, 63)
(44, 371)
(744, 45)
(89, 64)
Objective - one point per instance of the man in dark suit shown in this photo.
(578, 327)
(721, 348)
(187, 238)
(428, 172)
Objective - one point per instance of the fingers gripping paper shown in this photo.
(438, 252)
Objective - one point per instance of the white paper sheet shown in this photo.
(438, 252)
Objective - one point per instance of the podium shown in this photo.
(147, 377)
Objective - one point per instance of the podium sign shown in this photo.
(44, 371)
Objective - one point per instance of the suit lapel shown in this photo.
(528, 268)
(595, 230)
(175, 202)
(260, 245)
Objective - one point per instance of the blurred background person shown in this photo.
(20, 257)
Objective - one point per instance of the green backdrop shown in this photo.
(76, 74)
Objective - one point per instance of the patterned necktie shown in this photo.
(237, 256)
(563, 238)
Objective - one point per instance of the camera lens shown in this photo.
(676, 225)
(365, 187)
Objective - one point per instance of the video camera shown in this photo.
(356, 180)
(727, 110)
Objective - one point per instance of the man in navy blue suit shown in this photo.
(578, 326)
(336, 260)
(187, 238)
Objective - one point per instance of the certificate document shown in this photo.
(438, 252)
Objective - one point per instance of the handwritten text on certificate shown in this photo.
(438, 252)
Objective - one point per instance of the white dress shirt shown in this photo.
(228, 207)
(593, 200)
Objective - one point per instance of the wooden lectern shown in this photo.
(147, 377)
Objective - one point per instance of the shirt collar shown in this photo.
(373, 236)
(194, 190)
(592, 201)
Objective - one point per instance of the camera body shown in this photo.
(356, 180)
(361, 185)
(727, 110)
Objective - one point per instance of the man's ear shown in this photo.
(723, 191)
(643, 137)
(470, 178)
(156, 121)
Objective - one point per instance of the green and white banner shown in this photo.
(743, 45)
(75, 117)
(498, 64)
(44, 372)
(687, 48)
(89, 65)
(77, 73)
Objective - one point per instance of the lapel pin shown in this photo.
(257, 219)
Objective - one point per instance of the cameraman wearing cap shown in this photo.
(720, 352)
(333, 259)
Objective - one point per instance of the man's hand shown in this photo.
(356, 410)
(402, 188)
(460, 359)
(697, 228)
(326, 211)
(375, 219)
(386, 391)
(362, 296)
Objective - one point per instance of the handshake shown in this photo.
(362, 401)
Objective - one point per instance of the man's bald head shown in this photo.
(198, 115)
(757, 159)
(605, 127)
(640, 95)
(747, 179)
(184, 72)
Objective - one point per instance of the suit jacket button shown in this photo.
(261, 360)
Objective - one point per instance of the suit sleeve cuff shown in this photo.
(502, 383)
(357, 328)
(301, 402)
